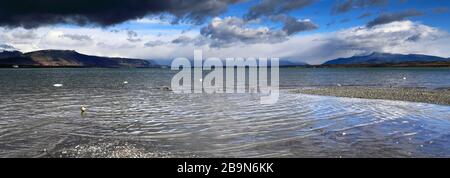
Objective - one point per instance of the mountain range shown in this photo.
(387, 59)
(67, 58)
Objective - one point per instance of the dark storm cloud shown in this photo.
(276, 7)
(35, 13)
(276, 11)
(292, 25)
(343, 6)
(393, 17)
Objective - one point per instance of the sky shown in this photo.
(311, 31)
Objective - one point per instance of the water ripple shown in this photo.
(46, 120)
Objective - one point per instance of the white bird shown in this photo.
(404, 78)
(83, 109)
(125, 82)
(339, 85)
(57, 85)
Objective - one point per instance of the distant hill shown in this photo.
(387, 59)
(287, 63)
(66, 58)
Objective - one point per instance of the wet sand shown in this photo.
(437, 96)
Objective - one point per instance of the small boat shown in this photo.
(15, 66)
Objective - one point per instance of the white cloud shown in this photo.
(402, 37)
(232, 30)
(397, 37)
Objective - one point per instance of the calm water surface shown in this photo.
(40, 120)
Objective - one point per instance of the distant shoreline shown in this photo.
(402, 65)
(74, 67)
(431, 64)
(437, 96)
(304, 66)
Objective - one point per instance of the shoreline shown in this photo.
(436, 96)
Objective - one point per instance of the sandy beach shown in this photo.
(437, 96)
